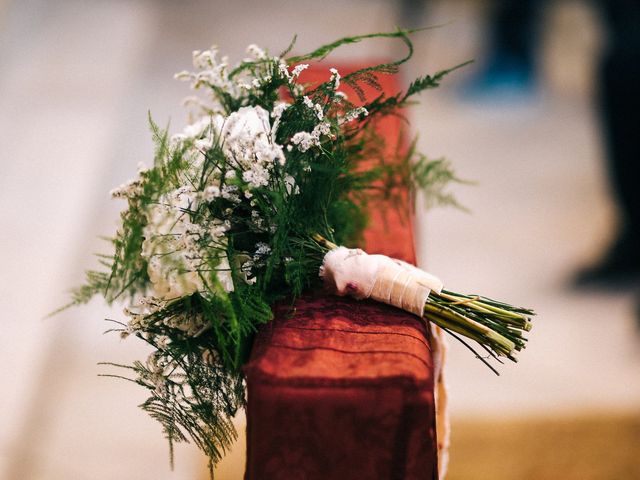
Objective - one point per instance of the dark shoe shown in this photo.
(620, 268)
(501, 80)
(638, 311)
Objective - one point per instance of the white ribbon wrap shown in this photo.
(355, 273)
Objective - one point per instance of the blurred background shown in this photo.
(77, 78)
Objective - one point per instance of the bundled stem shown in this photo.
(496, 326)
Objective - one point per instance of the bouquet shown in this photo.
(251, 204)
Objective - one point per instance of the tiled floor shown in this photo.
(76, 81)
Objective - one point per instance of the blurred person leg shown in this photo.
(510, 67)
(619, 80)
(412, 13)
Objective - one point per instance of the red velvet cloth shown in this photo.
(343, 389)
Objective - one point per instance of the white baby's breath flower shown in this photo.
(261, 253)
(276, 114)
(245, 125)
(205, 128)
(305, 140)
(290, 185)
(211, 193)
(256, 52)
(183, 75)
(297, 70)
(151, 304)
(323, 128)
(316, 107)
(278, 109)
(217, 229)
(134, 187)
(335, 78)
(204, 144)
(212, 73)
(258, 176)
(223, 273)
(192, 325)
(353, 114)
(230, 192)
(308, 102)
(162, 341)
(248, 141)
(131, 189)
(283, 69)
(206, 58)
(171, 245)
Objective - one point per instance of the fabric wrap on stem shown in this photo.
(355, 273)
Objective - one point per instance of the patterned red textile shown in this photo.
(343, 389)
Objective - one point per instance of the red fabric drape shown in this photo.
(342, 389)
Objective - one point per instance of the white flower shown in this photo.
(276, 114)
(191, 324)
(290, 185)
(217, 229)
(335, 78)
(133, 188)
(203, 129)
(162, 341)
(297, 70)
(316, 107)
(169, 281)
(204, 59)
(156, 374)
(170, 248)
(306, 140)
(353, 114)
(230, 192)
(258, 223)
(323, 128)
(256, 52)
(211, 193)
(248, 141)
(212, 72)
(307, 101)
(284, 70)
(245, 125)
(262, 249)
(262, 252)
(223, 272)
(183, 75)
(257, 176)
